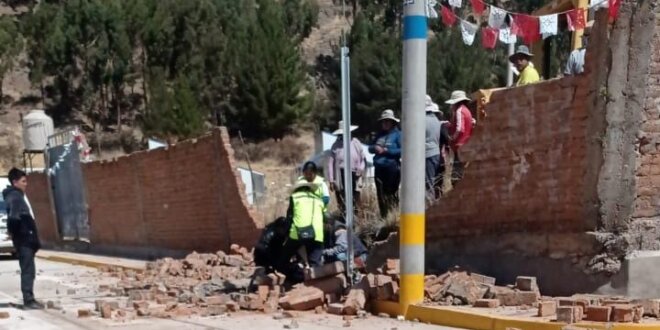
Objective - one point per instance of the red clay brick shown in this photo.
(526, 283)
(487, 303)
(324, 271)
(569, 314)
(622, 313)
(302, 298)
(598, 313)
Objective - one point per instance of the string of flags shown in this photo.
(507, 26)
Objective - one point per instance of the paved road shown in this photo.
(74, 287)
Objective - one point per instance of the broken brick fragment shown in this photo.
(487, 303)
(547, 308)
(622, 313)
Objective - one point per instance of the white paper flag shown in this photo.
(507, 37)
(597, 4)
(456, 3)
(468, 30)
(496, 17)
(548, 24)
(430, 9)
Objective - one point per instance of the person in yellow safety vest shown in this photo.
(306, 214)
(310, 175)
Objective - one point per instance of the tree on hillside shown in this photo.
(174, 110)
(300, 17)
(11, 44)
(272, 91)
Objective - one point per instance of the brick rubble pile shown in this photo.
(215, 284)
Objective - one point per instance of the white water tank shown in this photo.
(37, 127)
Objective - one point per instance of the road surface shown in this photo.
(73, 287)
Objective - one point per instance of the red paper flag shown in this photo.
(489, 37)
(478, 7)
(527, 27)
(613, 8)
(448, 16)
(575, 19)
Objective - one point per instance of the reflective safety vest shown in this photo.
(307, 210)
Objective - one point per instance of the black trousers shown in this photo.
(387, 188)
(28, 271)
(314, 251)
(340, 193)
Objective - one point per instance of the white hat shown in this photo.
(304, 184)
(340, 128)
(433, 108)
(457, 96)
(430, 106)
(388, 114)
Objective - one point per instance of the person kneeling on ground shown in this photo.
(269, 246)
(306, 214)
(339, 252)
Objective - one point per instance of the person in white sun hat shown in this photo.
(460, 127)
(387, 162)
(337, 165)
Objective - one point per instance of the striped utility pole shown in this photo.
(412, 228)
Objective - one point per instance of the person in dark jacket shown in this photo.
(339, 250)
(269, 246)
(23, 231)
(387, 162)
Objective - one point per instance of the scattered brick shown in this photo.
(574, 302)
(392, 266)
(232, 306)
(335, 308)
(324, 271)
(622, 313)
(329, 285)
(355, 301)
(387, 291)
(569, 314)
(4, 315)
(487, 303)
(264, 292)
(526, 283)
(483, 279)
(638, 313)
(547, 308)
(598, 313)
(216, 310)
(517, 298)
(84, 313)
(651, 306)
(302, 298)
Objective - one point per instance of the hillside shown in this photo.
(20, 95)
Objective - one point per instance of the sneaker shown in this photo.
(32, 305)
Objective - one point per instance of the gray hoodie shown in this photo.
(433, 127)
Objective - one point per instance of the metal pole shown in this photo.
(348, 177)
(412, 228)
(509, 68)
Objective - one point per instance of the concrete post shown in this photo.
(412, 227)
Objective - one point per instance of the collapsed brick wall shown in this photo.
(183, 198)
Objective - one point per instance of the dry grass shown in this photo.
(278, 161)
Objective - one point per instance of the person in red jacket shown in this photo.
(460, 127)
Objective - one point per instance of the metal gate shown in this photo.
(67, 185)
